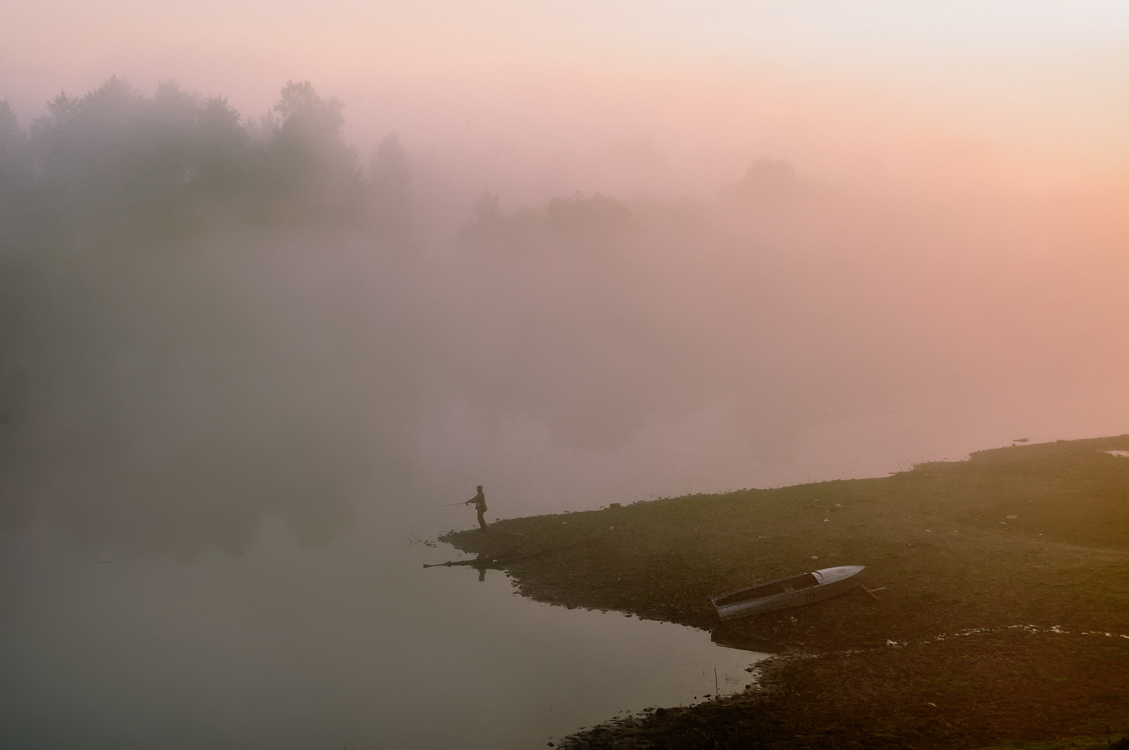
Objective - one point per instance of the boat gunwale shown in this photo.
(781, 581)
(827, 585)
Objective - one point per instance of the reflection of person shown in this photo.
(479, 501)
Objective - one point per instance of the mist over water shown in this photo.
(234, 342)
(170, 390)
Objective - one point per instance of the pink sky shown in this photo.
(1031, 94)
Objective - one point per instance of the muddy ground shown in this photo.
(1004, 615)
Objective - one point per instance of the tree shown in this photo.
(316, 172)
(225, 157)
(16, 173)
(769, 179)
(390, 199)
(118, 160)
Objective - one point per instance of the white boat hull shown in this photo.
(788, 592)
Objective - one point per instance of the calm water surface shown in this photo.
(355, 645)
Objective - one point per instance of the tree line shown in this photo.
(119, 159)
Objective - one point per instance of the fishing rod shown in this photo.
(448, 505)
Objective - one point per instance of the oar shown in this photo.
(872, 591)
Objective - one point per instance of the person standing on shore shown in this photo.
(479, 501)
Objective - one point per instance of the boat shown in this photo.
(787, 592)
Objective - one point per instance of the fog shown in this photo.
(183, 364)
(263, 263)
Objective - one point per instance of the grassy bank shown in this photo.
(1002, 575)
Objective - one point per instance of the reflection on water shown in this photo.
(354, 645)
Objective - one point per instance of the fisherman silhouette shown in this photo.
(479, 501)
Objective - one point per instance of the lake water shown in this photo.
(355, 644)
(352, 646)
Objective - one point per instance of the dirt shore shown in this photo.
(1004, 615)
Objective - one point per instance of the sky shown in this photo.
(1030, 93)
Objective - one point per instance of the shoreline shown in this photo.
(1022, 549)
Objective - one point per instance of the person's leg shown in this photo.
(482, 520)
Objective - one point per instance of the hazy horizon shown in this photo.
(721, 246)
